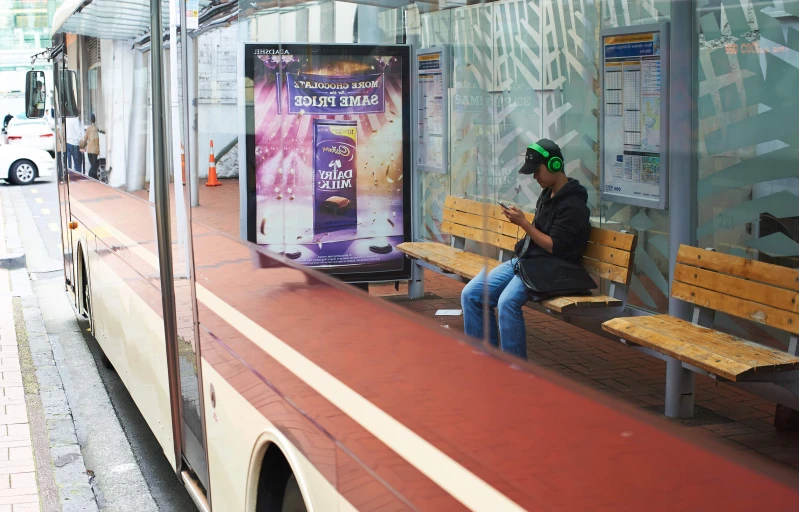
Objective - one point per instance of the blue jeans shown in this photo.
(507, 293)
(74, 158)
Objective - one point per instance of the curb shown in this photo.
(72, 479)
(12, 260)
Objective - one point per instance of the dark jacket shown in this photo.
(565, 218)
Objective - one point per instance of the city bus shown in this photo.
(220, 287)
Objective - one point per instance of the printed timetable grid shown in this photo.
(613, 94)
(632, 103)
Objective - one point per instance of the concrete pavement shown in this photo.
(18, 488)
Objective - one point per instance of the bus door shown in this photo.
(179, 164)
(60, 115)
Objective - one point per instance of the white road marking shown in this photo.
(34, 191)
(39, 200)
(53, 227)
(45, 211)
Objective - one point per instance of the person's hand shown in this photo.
(515, 215)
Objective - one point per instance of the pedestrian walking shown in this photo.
(90, 144)
(74, 156)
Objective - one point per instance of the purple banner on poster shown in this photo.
(333, 95)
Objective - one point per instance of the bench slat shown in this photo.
(721, 341)
(685, 344)
(566, 304)
(495, 239)
(623, 241)
(698, 346)
(779, 298)
(478, 208)
(474, 207)
(607, 271)
(481, 223)
(775, 275)
(617, 257)
(448, 258)
(735, 306)
(678, 349)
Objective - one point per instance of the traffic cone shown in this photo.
(212, 181)
(183, 163)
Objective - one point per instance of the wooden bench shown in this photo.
(756, 291)
(609, 255)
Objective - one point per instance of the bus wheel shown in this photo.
(292, 497)
(278, 490)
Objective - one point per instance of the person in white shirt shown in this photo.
(74, 134)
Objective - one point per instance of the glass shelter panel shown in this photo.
(649, 286)
(748, 180)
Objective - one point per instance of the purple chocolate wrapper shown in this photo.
(335, 194)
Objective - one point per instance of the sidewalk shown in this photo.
(726, 414)
(18, 488)
(41, 465)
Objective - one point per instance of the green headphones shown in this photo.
(554, 164)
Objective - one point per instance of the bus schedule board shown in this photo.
(432, 90)
(328, 156)
(634, 115)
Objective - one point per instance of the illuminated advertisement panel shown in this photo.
(328, 156)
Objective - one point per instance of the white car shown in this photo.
(22, 165)
(32, 133)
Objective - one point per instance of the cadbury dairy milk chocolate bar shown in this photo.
(335, 204)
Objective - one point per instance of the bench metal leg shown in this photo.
(416, 284)
(679, 390)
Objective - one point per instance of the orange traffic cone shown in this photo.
(183, 163)
(212, 181)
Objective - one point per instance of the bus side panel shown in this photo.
(238, 436)
(125, 294)
(132, 338)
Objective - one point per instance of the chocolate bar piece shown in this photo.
(335, 204)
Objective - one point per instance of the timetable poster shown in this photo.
(328, 156)
(431, 94)
(632, 116)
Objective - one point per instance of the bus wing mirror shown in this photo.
(69, 93)
(35, 94)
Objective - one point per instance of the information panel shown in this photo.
(328, 156)
(432, 79)
(635, 115)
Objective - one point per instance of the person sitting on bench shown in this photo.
(560, 230)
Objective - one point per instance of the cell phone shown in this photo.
(503, 205)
